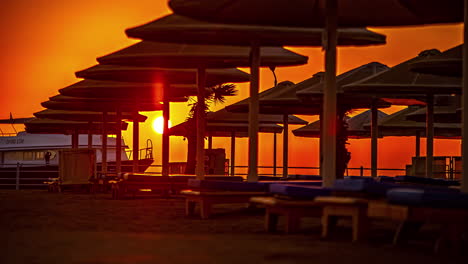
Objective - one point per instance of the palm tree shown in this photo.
(214, 95)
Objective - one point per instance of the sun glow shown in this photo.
(158, 125)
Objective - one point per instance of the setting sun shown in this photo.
(158, 124)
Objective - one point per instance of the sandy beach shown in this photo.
(42, 227)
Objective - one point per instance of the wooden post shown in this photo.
(233, 153)
(75, 139)
(464, 176)
(274, 153)
(104, 144)
(136, 142)
(200, 165)
(374, 139)
(418, 144)
(329, 94)
(285, 145)
(429, 135)
(118, 143)
(253, 111)
(90, 135)
(210, 142)
(165, 135)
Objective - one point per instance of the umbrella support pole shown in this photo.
(200, 114)
(165, 135)
(104, 144)
(75, 139)
(285, 145)
(374, 138)
(429, 135)
(233, 153)
(252, 175)
(274, 153)
(136, 144)
(464, 177)
(118, 144)
(329, 94)
(90, 135)
(418, 144)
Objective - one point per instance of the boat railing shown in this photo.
(143, 153)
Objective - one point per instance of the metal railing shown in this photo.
(17, 176)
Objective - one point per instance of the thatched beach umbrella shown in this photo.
(442, 114)
(401, 82)
(182, 29)
(185, 30)
(201, 57)
(448, 63)
(172, 77)
(313, 95)
(329, 14)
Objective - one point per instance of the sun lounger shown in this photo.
(208, 192)
(300, 204)
(133, 183)
(449, 209)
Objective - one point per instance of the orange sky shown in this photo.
(45, 41)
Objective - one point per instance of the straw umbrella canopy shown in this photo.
(448, 63)
(86, 116)
(169, 78)
(182, 29)
(48, 126)
(329, 14)
(200, 57)
(175, 28)
(312, 13)
(137, 91)
(173, 77)
(400, 81)
(442, 114)
(356, 129)
(397, 124)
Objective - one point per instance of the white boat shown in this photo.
(27, 153)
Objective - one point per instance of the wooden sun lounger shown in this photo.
(412, 217)
(292, 210)
(328, 208)
(122, 187)
(207, 198)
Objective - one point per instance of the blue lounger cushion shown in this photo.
(428, 198)
(303, 177)
(269, 178)
(299, 191)
(229, 185)
(429, 181)
(366, 185)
